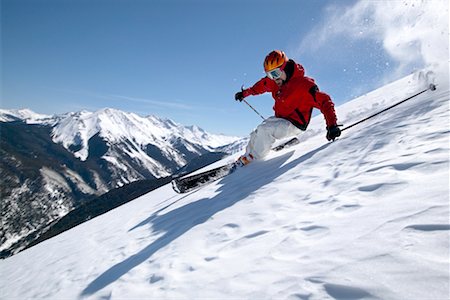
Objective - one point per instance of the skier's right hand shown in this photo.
(239, 96)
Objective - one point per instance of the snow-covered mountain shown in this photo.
(366, 216)
(52, 164)
(159, 145)
(26, 115)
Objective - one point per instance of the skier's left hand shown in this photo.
(333, 132)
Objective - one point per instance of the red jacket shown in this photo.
(296, 98)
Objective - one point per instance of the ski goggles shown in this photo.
(275, 73)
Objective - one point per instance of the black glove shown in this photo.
(333, 132)
(239, 96)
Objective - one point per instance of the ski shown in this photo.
(189, 183)
(186, 184)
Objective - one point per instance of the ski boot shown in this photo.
(245, 160)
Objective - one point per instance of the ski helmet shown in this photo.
(274, 59)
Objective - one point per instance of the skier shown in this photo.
(295, 97)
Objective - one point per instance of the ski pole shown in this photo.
(430, 87)
(254, 109)
(242, 89)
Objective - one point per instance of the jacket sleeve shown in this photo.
(326, 106)
(264, 85)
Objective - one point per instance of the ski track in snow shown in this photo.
(365, 217)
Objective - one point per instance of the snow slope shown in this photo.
(364, 217)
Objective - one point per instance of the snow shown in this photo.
(29, 116)
(366, 216)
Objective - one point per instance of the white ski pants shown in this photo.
(263, 137)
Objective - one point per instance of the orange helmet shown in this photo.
(274, 59)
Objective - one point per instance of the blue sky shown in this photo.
(185, 60)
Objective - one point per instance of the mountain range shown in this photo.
(51, 165)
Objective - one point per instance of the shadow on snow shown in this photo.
(177, 222)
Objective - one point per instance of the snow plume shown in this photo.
(413, 33)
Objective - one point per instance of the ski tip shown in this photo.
(175, 187)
